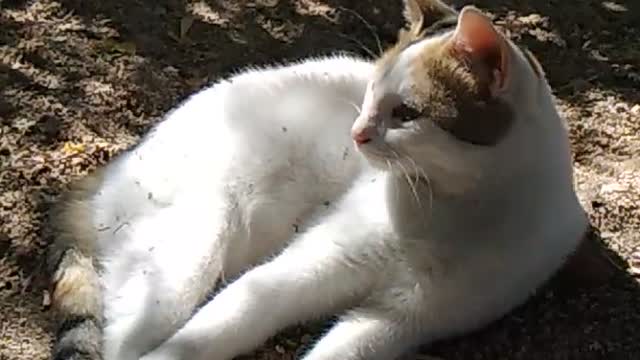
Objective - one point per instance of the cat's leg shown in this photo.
(171, 262)
(313, 277)
(387, 325)
(409, 310)
(367, 335)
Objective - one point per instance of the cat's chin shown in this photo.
(380, 165)
(376, 160)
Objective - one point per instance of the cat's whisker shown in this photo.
(354, 105)
(405, 172)
(428, 182)
(412, 184)
(421, 173)
(395, 187)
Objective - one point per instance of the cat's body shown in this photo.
(255, 179)
(434, 231)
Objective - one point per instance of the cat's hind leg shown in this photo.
(152, 286)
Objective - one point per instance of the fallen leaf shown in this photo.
(123, 47)
(46, 299)
(185, 24)
(173, 36)
(264, 3)
(598, 55)
(612, 6)
(73, 148)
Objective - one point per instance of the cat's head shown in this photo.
(450, 97)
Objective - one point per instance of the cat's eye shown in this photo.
(405, 113)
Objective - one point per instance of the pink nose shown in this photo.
(363, 136)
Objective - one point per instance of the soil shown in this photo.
(81, 80)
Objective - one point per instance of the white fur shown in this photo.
(220, 188)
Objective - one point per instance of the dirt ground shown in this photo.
(81, 80)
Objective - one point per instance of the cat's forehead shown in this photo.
(395, 70)
(408, 47)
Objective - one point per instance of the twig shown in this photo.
(368, 25)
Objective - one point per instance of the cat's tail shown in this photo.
(75, 287)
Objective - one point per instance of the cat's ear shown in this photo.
(480, 42)
(421, 14)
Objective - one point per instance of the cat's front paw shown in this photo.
(164, 352)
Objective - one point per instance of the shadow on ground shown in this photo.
(80, 80)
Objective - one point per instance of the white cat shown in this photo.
(456, 206)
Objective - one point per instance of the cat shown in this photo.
(418, 196)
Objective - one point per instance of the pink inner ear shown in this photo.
(476, 33)
(476, 36)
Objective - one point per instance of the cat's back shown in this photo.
(256, 120)
(267, 136)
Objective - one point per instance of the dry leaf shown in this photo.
(46, 299)
(598, 55)
(120, 47)
(612, 6)
(185, 25)
(173, 36)
(72, 148)
(265, 3)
